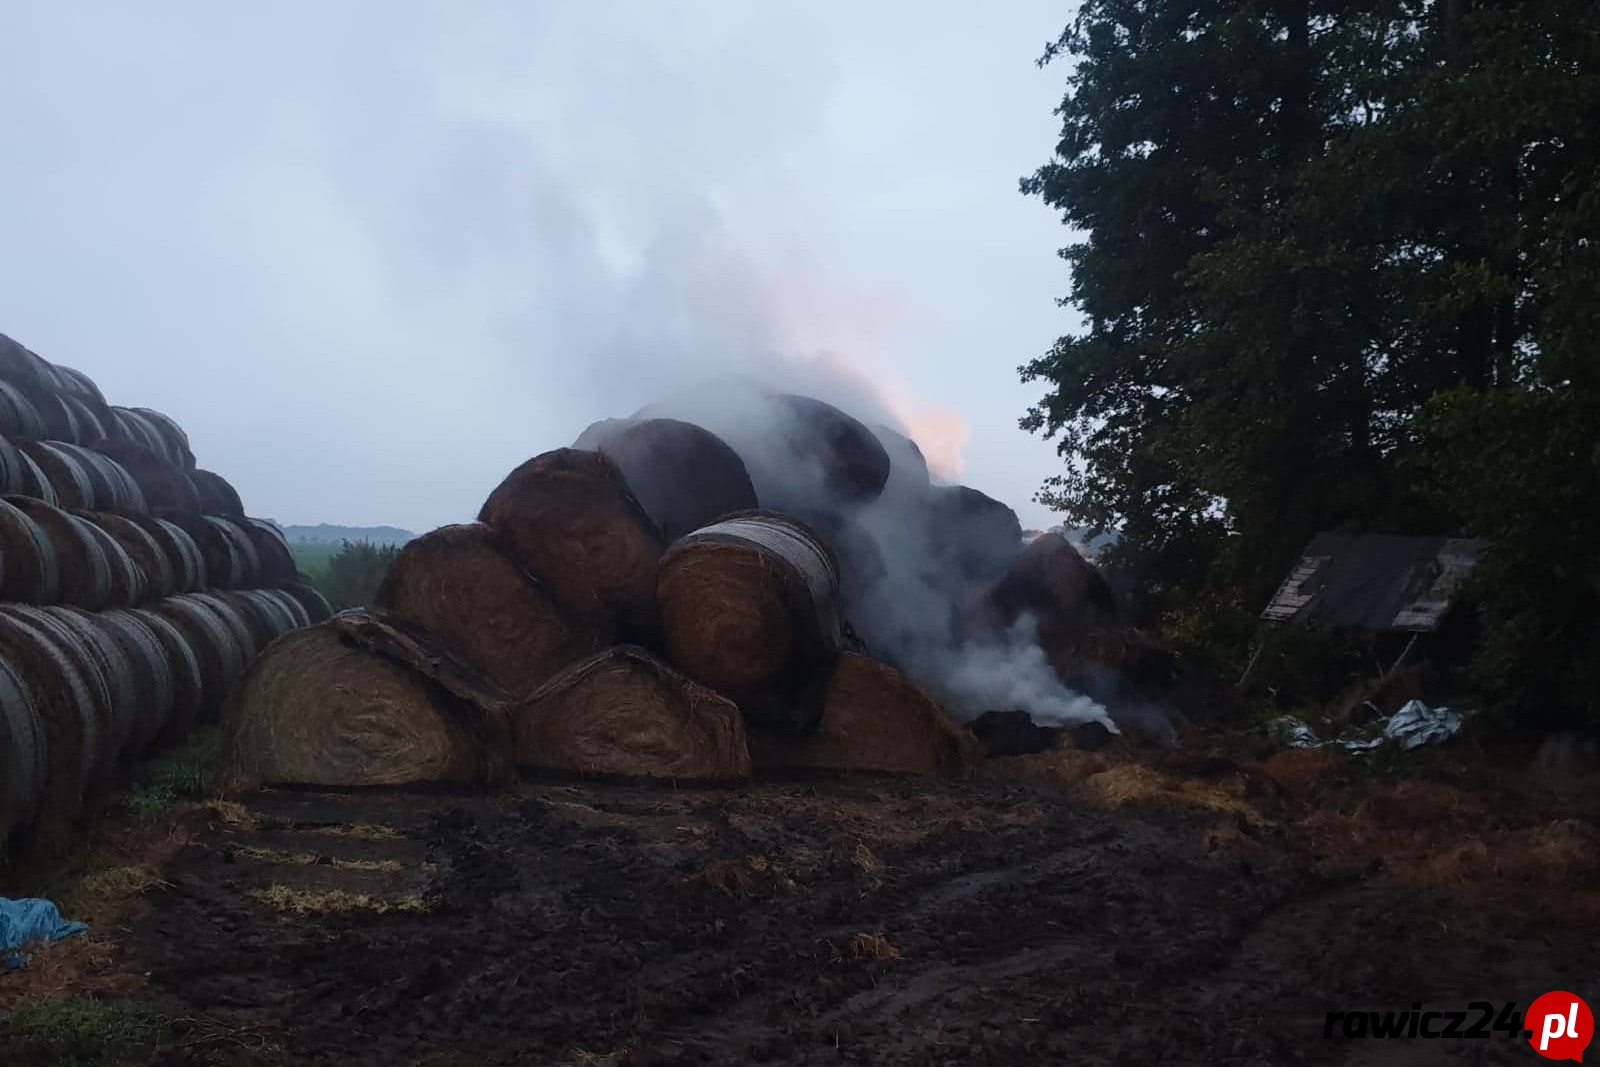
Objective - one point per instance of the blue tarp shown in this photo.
(30, 919)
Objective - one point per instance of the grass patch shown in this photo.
(82, 1032)
(187, 774)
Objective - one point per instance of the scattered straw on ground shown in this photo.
(303, 902)
(872, 947)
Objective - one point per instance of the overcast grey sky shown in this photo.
(372, 253)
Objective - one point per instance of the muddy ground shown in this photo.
(881, 922)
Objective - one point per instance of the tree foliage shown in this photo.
(1326, 255)
(355, 572)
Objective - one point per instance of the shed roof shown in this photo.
(1375, 581)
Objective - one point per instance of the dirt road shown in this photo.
(883, 923)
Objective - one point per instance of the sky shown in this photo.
(372, 254)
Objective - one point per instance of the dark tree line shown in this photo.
(1336, 267)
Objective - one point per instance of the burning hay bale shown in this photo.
(684, 476)
(319, 709)
(1050, 580)
(625, 712)
(821, 441)
(570, 520)
(874, 719)
(750, 608)
(977, 537)
(456, 584)
(908, 467)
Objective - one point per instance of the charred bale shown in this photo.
(975, 536)
(569, 519)
(750, 608)
(874, 720)
(1051, 581)
(625, 712)
(684, 476)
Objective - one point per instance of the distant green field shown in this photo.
(312, 559)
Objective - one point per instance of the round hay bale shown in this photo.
(315, 604)
(264, 616)
(30, 573)
(874, 719)
(71, 419)
(178, 545)
(129, 584)
(174, 443)
(296, 611)
(25, 369)
(230, 554)
(78, 550)
(277, 565)
(908, 468)
(163, 486)
(233, 618)
(148, 556)
(684, 476)
(154, 692)
(570, 520)
(115, 489)
(73, 705)
(316, 711)
(18, 415)
(853, 462)
(24, 755)
(78, 627)
(977, 536)
(218, 648)
(1052, 581)
(750, 608)
(625, 712)
(71, 481)
(456, 584)
(24, 477)
(188, 679)
(217, 497)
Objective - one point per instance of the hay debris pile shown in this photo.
(680, 595)
(128, 607)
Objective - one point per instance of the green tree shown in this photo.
(354, 573)
(1299, 223)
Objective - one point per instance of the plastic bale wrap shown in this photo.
(30, 572)
(1050, 580)
(625, 712)
(338, 705)
(750, 608)
(79, 552)
(458, 585)
(217, 496)
(683, 475)
(874, 719)
(24, 754)
(164, 486)
(569, 519)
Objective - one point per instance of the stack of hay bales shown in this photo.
(658, 600)
(133, 593)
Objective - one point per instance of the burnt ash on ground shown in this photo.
(884, 923)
